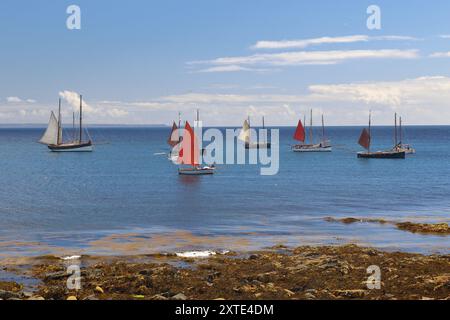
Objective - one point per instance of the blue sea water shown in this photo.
(50, 200)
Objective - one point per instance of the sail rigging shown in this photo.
(245, 132)
(189, 153)
(174, 137)
(53, 132)
(364, 139)
(299, 134)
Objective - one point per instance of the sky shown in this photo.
(142, 62)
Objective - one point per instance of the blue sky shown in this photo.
(143, 61)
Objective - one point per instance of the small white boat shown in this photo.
(245, 137)
(399, 145)
(300, 135)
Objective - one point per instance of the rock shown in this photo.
(7, 295)
(91, 297)
(138, 296)
(254, 256)
(310, 296)
(258, 295)
(158, 297)
(427, 298)
(219, 299)
(36, 298)
(71, 298)
(56, 275)
(99, 290)
(179, 296)
(289, 292)
(27, 294)
(357, 293)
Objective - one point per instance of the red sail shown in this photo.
(189, 147)
(174, 137)
(364, 139)
(300, 132)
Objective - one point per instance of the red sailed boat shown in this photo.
(189, 155)
(365, 141)
(300, 135)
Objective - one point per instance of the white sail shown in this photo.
(50, 136)
(245, 132)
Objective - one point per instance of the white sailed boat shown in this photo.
(300, 135)
(189, 155)
(53, 136)
(174, 140)
(245, 137)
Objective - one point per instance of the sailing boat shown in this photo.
(365, 141)
(53, 136)
(189, 155)
(245, 137)
(399, 145)
(300, 134)
(174, 139)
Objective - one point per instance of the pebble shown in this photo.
(99, 290)
(179, 296)
(71, 298)
(309, 296)
(36, 298)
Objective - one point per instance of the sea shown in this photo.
(126, 197)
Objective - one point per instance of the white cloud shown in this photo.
(445, 36)
(232, 68)
(440, 55)
(13, 99)
(303, 43)
(307, 58)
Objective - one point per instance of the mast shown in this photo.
(370, 130)
(395, 129)
(323, 129)
(81, 118)
(401, 134)
(73, 126)
(263, 125)
(310, 129)
(59, 123)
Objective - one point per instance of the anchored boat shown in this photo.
(245, 137)
(189, 155)
(323, 146)
(53, 136)
(365, 141)
(399, 145)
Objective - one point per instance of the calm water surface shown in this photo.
(50, 200)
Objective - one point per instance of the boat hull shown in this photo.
(382, 155)
(261, 145)
(72, 147)
(312, 148)
(196, 171)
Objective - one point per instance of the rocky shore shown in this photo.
(328, 272)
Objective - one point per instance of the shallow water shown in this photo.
(74, 202)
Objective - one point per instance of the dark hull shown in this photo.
(383, 155)
(71, 147)
(263, 145)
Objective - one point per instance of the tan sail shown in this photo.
(53, 132)
(245, 132)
